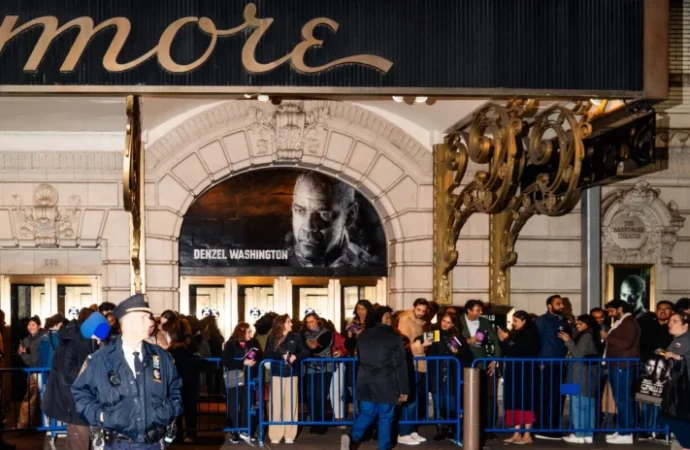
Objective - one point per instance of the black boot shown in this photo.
(440, 433)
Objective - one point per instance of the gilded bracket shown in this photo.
(133, 194)
(491, 136)
(556, 153)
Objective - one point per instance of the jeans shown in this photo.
(366, 416)
(621, 382)
(650, 415)
(408, 412)
(582, 415)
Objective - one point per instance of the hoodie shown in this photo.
(70, 355)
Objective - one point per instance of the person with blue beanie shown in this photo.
(77, 342)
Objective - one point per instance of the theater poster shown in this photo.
(633, 284)
(282, 222)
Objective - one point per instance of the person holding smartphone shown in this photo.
(443, 376)
(286, 349)
(241, 357)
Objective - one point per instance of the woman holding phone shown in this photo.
(518, 399)
(442, 376)
(241, 357)
(285, 349)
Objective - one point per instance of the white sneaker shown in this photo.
(611, 436)
(275, 442)
(417, 437)
(289, 441)
(407, 440)
(572, 439)
(623, 439)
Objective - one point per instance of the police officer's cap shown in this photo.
(135, 303)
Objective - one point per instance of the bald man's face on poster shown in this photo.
(632, 286)
(320, 215)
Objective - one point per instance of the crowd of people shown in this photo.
(393, 382)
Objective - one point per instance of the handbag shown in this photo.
(233, 379)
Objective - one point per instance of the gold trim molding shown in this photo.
(133, 194)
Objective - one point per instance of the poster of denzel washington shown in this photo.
(283, 221)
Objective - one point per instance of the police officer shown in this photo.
(130, 389)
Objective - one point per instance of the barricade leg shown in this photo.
(471, 408)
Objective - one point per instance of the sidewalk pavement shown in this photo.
(331, 441)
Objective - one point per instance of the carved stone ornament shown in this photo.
(288, 131)
(44, 224)
(638, 227)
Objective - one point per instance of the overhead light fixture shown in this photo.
(398, 99)
(595, 101)
(263, 98)
(247, 95)
(420, 99)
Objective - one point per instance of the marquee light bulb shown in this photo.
(420, 99)
(397, 99)
(247, 95)
(263, 98)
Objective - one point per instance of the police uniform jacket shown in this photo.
(130, 405)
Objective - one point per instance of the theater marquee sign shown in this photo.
(332, 46)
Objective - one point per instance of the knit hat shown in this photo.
(95, 325)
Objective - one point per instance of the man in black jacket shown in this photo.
(382, 380)
(76, 344)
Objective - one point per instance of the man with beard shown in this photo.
(633, 290)
(622, 341)
(322, 209)
(551, 374)
(411, 325)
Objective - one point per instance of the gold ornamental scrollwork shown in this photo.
(556, 153)
(492, 136)
(133, 192)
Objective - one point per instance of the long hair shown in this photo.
(369, 319)
(239, 332)
(278, 330)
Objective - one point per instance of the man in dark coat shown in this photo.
(382, 381)
(76, 344)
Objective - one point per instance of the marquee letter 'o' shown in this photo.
(165, 59)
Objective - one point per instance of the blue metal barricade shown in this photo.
(532, 394)
(320, 392)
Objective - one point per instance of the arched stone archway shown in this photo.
(391, 169)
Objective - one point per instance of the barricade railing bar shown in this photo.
(565, 395)
(320, 392)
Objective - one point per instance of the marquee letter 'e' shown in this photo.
(310, 41)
